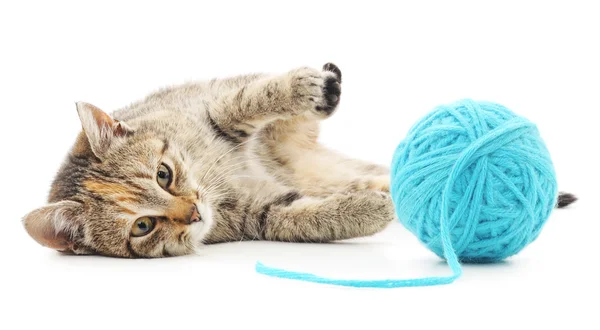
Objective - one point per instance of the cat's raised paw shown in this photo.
(315, 90)
(332, 89)
(331, 96)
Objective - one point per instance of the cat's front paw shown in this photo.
(317, 91)
(376, 183)
(374, 210)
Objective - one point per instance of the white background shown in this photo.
(399, 60)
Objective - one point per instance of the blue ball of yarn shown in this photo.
(473, 181)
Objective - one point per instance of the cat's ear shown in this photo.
(100, 128)
(53, 225)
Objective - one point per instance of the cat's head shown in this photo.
(122, 192)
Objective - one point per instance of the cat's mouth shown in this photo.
(200, 228)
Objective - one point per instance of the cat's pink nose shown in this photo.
(195, 216)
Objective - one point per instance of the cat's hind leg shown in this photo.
(318, 169)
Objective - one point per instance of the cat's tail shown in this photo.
(565, 199)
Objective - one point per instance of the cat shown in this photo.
(209, 162)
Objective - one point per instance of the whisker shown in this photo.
(226, 153)
(221, 177)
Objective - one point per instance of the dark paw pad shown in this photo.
(331, 95)
(333, 68)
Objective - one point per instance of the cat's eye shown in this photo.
(164, 176)
(142, 226)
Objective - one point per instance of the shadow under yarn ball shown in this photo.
(477, 172)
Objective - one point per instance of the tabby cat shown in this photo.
(207, 162)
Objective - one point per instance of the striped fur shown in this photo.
(244, 154)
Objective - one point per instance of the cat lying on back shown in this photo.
(207, 162)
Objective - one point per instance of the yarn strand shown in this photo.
(388, 283)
